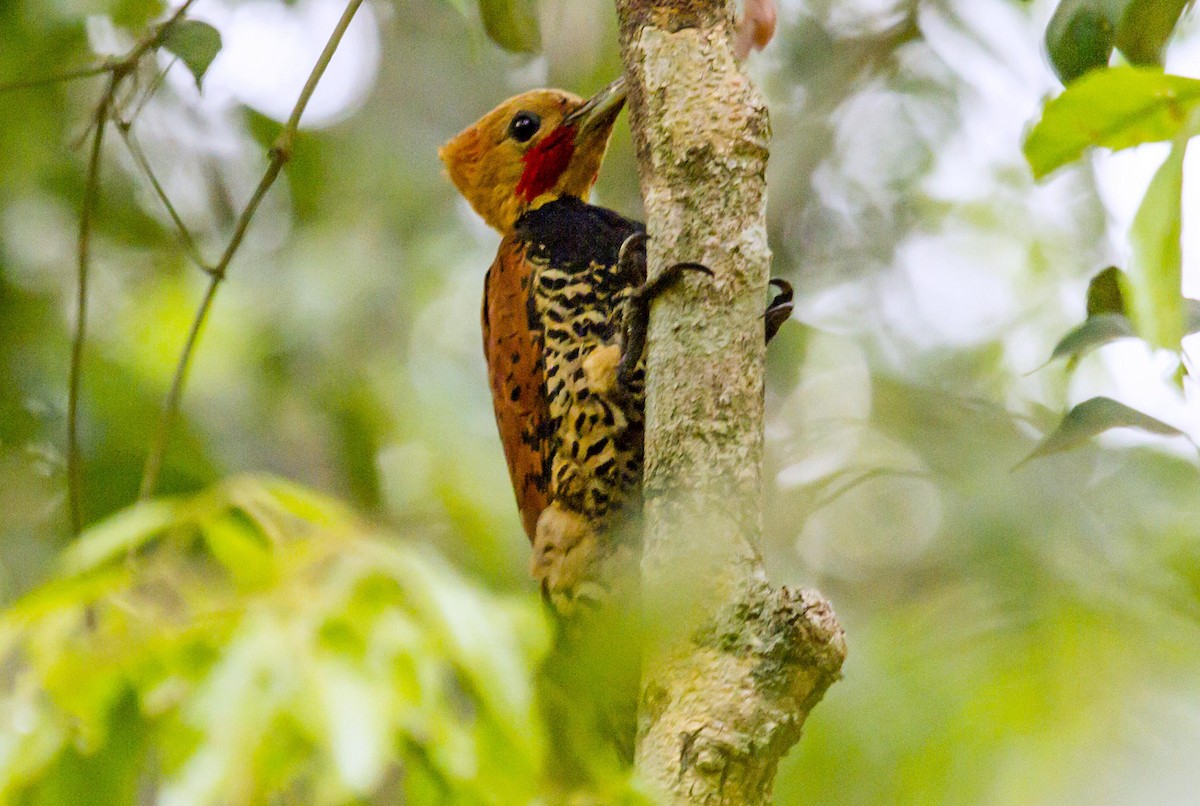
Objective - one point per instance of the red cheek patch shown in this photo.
(545, 163)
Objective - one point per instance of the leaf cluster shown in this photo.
(1082, 34)
(1117, 108)
(257, 641)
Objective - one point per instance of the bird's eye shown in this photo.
(524, 126)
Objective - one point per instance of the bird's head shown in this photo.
(533, 148)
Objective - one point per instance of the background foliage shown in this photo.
(1019, 632)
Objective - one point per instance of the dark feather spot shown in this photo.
(595, 449)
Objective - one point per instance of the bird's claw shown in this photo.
(631, 264)
(779, 310)
(631, 259)
(586, 597)
(648, 291)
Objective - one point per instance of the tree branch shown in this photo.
(281, 152)
(733, 666)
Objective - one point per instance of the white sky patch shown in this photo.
(959, 284)
(830, 409)
(534, 73)
(269, 49)
(860, 17)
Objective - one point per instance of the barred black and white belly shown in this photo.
(577, 301)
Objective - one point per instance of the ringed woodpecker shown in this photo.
(565, 308)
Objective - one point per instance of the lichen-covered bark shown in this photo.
(732, 665)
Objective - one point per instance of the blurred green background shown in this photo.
(1027, 636)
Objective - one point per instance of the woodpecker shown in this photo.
(565, 308)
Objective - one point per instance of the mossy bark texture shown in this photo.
(732, 665)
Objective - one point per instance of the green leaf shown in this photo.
(1104, 293)
(59, 595)
(123, 532)
(1094, 332)
(1079, 38)
(196, 43)
(1082, 33)
(135, 15)
(1146, 27)
(109, 777)
(1093, 417)
(300, 501)
(1116, 108)
(512, 24)
(235, 544)
(1108, 318)
(477, 637)
(1152, 285)
(357, 723)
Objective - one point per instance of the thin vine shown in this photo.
(91, 191)
(281, 152)
(117, 71)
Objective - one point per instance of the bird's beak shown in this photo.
(599, 112)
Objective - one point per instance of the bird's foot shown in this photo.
(779, 310)
(586, 570)
(632, 262)
(565, 549)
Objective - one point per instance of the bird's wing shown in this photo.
(513, 346)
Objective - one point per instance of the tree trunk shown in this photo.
(732, 666)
